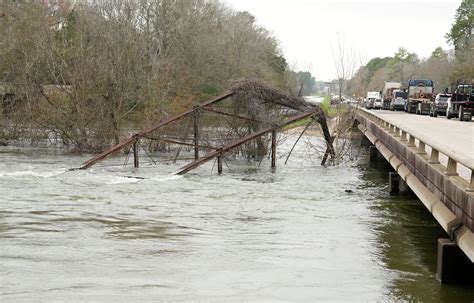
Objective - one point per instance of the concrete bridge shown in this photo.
(434, 157)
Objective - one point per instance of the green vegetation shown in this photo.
(82, 70)
(443, 67)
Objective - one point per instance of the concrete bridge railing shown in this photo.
(435, 149)
(439, 175)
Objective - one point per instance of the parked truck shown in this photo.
(420, 93)
(387, 93)
(461, 103)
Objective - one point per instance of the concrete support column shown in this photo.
(373, 154)
(453, 265)
(397, 186)
(364, 142)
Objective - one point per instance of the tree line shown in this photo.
(82, 71)
(445, 67)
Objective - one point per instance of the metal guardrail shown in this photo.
(406, 135)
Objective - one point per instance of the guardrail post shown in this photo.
(452, 167)
(434, 157)
(396, 132)
(411, 141)
(421, 148)
(404, 136)
(471, 184)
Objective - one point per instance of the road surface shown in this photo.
(450, 137)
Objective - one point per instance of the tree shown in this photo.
(460, 34)
(83, 70)
(345, 62)
(403, 63)
(437, 53)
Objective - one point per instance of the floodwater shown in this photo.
(247, 235)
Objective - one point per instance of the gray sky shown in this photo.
(308, 29)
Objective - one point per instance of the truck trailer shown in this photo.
(420, 93)
(387, 93)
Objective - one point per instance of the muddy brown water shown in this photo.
(248, 235)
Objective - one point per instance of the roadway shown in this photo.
(450, 137)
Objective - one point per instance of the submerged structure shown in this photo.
(244, 120)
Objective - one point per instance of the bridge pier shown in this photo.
(373, 155)
(365, 142)
(453, 265)
(397, 186)
(440, 186)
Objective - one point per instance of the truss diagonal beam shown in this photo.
(143, 133)
(241, 141)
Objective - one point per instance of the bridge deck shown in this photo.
(446, 190)
(452, 138)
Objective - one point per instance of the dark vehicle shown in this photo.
(461, 103)
(399, 100)
(439, 106)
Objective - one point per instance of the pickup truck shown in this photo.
(461, 103)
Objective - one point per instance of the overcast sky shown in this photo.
(307, 29)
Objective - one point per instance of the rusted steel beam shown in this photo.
(234, 116)
(241, 141)
(184, 114)
(196, 132)
(108, 152)
(297, 140)
(219, 162)
(321, 118)
(179, 142)
(136, 162)
(274, 148)
(118, 147)
(328, 150)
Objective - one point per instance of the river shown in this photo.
(247, 235)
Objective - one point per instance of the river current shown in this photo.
(250, 234)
